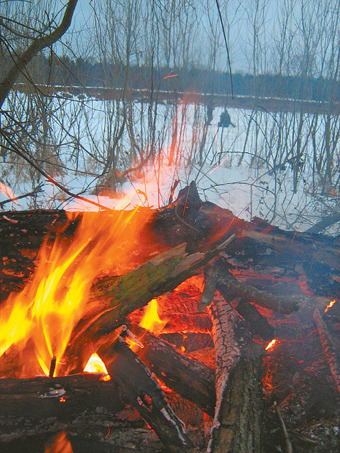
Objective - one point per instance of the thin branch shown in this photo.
(227, 48)
(36, 46)
(49, 178)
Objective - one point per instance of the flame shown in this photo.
(151, 319)
(60, 445)
(39, 320)
(270, 345)
(95, 365)
(331, 303)
(37, 324)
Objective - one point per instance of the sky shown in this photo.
(236, 15)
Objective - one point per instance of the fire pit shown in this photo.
(179, 329)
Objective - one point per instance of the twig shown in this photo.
(49, 178)
(29, 194)
(289, 448)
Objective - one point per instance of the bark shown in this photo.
(44, 403)
(145, 394)
(189, 378)
(237, 421)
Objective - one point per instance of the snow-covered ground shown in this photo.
(259, 184)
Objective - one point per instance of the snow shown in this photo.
(252, 187)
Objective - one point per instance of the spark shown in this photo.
(170, 75)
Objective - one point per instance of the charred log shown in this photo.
(328, 347)
(237, 421)
(189, 378)
(145, 394)
(46, 404)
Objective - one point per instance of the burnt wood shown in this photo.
(145, 394)
(238, 413)
(187, 377)
(40, 404)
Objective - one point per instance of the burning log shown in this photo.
(328, 347)
(189, 378)
(133, 290)
(237, 421)
(144, 393)
(52, 404)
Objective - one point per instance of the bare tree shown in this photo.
(44, 37)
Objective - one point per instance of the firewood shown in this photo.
(258, 324)
(43, 402)
(328, 347)
(134, 290)
(189, 378)
(145, 394)
(238, 409)
(227, 284)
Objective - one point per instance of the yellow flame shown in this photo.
(270, 345)
(332, 302)
(95, 365)
(151, 319)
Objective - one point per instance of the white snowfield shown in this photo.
(264, 166)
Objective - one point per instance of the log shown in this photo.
(227, 284)
(145, 394)
(328, 347)
(42, 404)
(237, 421)
(131, 291)
(187, 377)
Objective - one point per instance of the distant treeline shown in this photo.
(65, 71)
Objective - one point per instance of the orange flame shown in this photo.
(331, 303)
(39, 320)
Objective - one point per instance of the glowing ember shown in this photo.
(151, 320)
(270, 345)
(332, 302)
(60, 444)
(95, 365)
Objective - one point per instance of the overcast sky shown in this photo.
(249, 24)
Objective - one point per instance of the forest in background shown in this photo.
(63, 71)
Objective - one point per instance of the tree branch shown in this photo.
(36, 46)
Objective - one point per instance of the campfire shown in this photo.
(177, 329)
